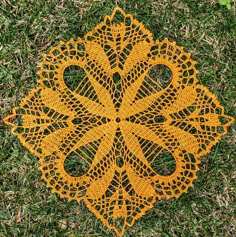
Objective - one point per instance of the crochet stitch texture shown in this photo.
(117, 120)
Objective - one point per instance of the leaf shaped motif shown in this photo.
(117, 119)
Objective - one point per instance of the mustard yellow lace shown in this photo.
(118, 118)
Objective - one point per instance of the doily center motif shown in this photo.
(110, 111)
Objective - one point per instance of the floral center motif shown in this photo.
(110, 109)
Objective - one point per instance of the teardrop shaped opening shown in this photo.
(164, 164)
(74, 77)
(75, 166)
(161, 74)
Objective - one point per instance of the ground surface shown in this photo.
(29, 28)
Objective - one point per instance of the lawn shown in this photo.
(28, 28)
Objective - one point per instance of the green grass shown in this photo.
(28, 29)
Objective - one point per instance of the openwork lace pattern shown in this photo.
(102, 134)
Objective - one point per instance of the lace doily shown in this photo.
(102, 135)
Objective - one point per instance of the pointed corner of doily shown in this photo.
(231, 120)
(227, 121)
(120, 233)
(116, 10)
(9, 118)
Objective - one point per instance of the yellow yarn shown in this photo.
(118, 120)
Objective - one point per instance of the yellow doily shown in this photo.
(118, 119)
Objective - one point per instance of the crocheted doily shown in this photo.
(111, 112)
